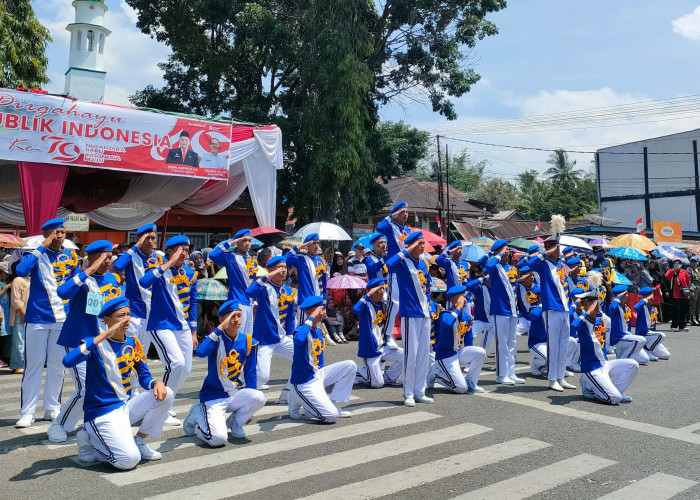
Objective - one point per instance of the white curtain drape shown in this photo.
(126, 216)
(216, 197)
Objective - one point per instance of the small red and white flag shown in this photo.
(416, 218)
(640, 226)
(538, 227)
(439, 226)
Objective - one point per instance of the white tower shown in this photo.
(85, 78)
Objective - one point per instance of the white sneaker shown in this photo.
(587, 393)
(146, 452)
(504, 381)
(473, 387)
(190, 423)
(555, 386)
(236, 430)
(25, 421)
(171, 421)
(651, 356)
(86, 452)
(626, 399)
(567, 373)
(56, 433)
(392, 383)
(329, 340)
(294, 412)
(171, 413)
(517, 379)
(566, 385)
(264, 387)
(576, 367)
(391, 342)
(51, 415)
(409, 401)
(430, 381)
(341, 412)
(343, 339)
(425, 400)
(284, 397)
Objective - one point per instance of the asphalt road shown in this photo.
(510, 442)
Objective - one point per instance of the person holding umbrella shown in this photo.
(680, 289)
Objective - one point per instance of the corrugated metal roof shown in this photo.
(422, 197)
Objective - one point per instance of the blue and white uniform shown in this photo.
(413, 281)
(313, 275)
(483, 321)
(646, 327)
(371, 348)
(241, 270)
(525, 299)
(623, 342)
(173, 319)
(555, 307)
(600, 378)
(224, 390)
(110, 410)
(310, 377)
(274, 323)
(81, 324)
(454, 346)
(376, 268)
(537, 344)
(504, 311)
(46, 313)
(456, 273)
(395, 236)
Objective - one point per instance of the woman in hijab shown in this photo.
(204, 269)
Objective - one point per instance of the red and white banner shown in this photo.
(48, 129)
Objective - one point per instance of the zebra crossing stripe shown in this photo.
(432, 471)
(242, 453)
(308, 468)
(539, 480)
(658, 486)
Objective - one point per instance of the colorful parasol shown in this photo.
(628, 253)
(346, 282)
(632, 240)
(11, 241)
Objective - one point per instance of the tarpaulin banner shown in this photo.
(667, 232)
(48, 129)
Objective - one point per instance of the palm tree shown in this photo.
(563, 170)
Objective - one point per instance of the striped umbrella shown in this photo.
(484, 243)
(628, 253)
(671, 253)
(210, 289)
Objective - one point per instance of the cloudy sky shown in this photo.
(550, 57)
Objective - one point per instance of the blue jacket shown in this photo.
(372, 317)
(49, 270)
(227, 359)
(241, 270)
(312, 273)
(376, 268)
(457, 273)
(503, 278)
(274, 317)
(618, 322)
(79, 324)
(538, 331)
(414, 284)
(524, 297)
(453, 333)
(134, 264)
(394, 234)
(309, 345)
(108, 373)
(591, 337)
(646, 318)
(553, 282)
(174, 299)
(482, 299)
(573, 314)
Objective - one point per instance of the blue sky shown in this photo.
(550, 56)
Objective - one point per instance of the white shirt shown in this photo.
(214, 161)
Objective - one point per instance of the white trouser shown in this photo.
(415, 333)
(632, 347)
(40, 347)
(487, 329)
(284, 348)
(450, 374)
(72, 410)
(247, 319)
(175, 352)
(111, 434)
(371, 373)
(538, 355)
(211, 421)
(523, 327)
(504, 327)
(137, 328)
(312, 394)
(654, 344)
(606, 322)
(611, 381)
(392, 301)
(558, 335)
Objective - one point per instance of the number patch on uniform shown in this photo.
(94, 303)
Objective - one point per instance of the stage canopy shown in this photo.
(57, 157)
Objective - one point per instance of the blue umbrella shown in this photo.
(472, 253)
(364, 240)
(628, 253)
(621, 279)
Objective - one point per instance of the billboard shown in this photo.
(667, 232)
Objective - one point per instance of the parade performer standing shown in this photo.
(481, 292)
(230, 354)
(241, 270)
(526, 298)
(376, 268)
(311, 269)
(86, 292)
(110, 410)
(413, 282)
(50, 265)
(456, 270)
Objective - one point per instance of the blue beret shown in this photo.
(596, 270)
(375, 282)
(521, 263)
(398, 206)
(242, 233)
(53, 224)
(694, 258)
(567, 249)
(483, 260)
(497, 245)
(180, 239)
(112, 305)
(533, 248)
(416, 235)
(99, 246)
(617, 289)
(312, 301)
(581, 293)
(606, 263)
(456, 290)
(375, 237)
(577, 291)
(273, 261)
(146, 228)
(525, 269)
(454, 245)
(573, 261)
(647, 290)
(536, 289)
(228, 307)
(311, 237)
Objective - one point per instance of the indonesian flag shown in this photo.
(640, 226)
(538, 227)
(439, 229)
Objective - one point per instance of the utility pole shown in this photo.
(447, 184)
(441, 198)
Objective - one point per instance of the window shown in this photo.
(102, 43)
(79, 40)
(90, 40)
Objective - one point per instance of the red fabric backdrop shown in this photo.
(41, 186)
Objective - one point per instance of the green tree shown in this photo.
(563, 170)
(23, 43)
(501, 193)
